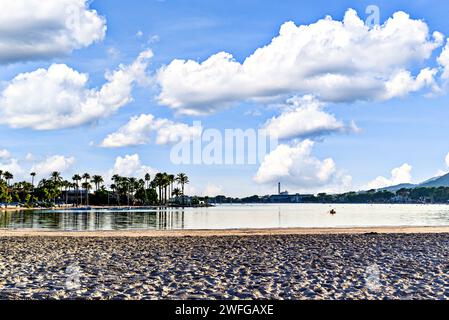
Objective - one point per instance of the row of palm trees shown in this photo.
(129, 186)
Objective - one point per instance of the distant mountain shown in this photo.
(399, 187)
(442, 181)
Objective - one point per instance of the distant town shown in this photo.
(430, 192)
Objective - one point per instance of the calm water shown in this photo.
(232, 217)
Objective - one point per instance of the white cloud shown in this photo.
(4, 154)
(447, 160)
(443, 60)
(304, 117)
(42, 29)
(296, 166)
(212, 190)
(402, 83)
(12, 166)
(7, 163)
(153, 39)
(29, 157)
(59, 97)
(140, 128)
(53, 163)
(399, 175)
(339, 61)
(131, 166)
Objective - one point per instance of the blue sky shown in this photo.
(408, 129)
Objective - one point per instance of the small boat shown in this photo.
(333, 211)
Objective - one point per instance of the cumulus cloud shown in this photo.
(139, 131)
(53, 163)
(43, 29)
(294, 165)
(338, 61)
(130, 166)
(304, 117)
(12, 166)
(58, 97)
(399, 175)
(21, 168)
(4, 154)
(443, 60)
(402, 83)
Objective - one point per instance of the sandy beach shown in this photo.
(222, 233)
(379, 263)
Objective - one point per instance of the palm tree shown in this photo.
(76, 179)
(165, 184)
(147, 185)
(132, 186)
(114, 190)
(171, 179)
(125, 186)
(73, 186)
(158, 182)
(176, 192)
(8, 177)
(66, 185)
(56, 177)
(86, 177)
(87, 186)
(182, 179)
(33, 175)
(119, 185)
(97, 180)
(147, 180)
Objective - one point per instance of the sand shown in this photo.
(214, 233)
(391, 263)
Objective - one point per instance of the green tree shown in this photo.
(8, 177)
(86, 178)
(182, 179)
(177, 192)
(33, 175)
(97, 180)
(87, 186)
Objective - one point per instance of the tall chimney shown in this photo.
(279, 188)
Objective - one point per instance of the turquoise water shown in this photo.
(232, 217)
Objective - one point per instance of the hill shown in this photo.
(435, 182)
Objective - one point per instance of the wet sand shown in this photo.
(214, 233)
(390, 263)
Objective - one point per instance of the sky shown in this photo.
(354, 91)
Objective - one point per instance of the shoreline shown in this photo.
(223, 233)
(93, 208)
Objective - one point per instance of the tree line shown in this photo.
(89, 189)
(437, 195)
